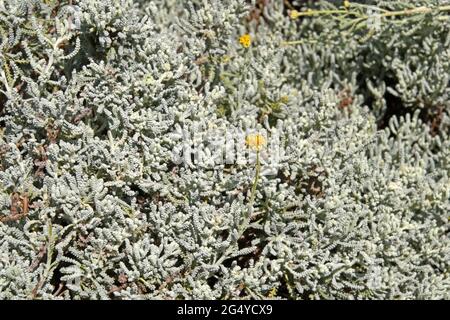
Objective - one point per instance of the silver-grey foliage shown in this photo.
(95, 95)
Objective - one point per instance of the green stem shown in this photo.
(359, 17)
(243, 227)
(287, 43)
(48, 265)
(418, 10)
(51, 246)
(255, 181)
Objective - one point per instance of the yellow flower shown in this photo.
(255, 141)
(346, 4)
(294, 14)
(245, 40)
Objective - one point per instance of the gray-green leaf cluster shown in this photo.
(101, 102)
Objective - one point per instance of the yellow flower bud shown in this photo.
(255, 141)
(294, 14)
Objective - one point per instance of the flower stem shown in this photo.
(419, 10)
(255, 181)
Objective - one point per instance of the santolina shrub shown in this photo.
(224, 149)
